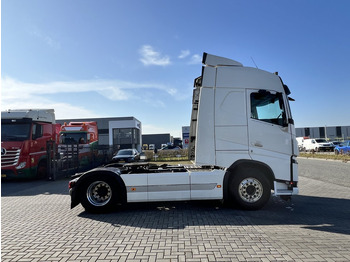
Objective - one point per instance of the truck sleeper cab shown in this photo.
(242, 139)
(241, 120)
(24, 138)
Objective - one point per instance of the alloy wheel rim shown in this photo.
(99, 193)
(250, 190)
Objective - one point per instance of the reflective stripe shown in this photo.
(162, 188)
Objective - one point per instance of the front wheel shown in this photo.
(250, 191)
(99, 194)
(41, 171)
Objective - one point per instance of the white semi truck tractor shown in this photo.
(242, 140)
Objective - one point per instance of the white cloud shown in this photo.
(151, 57)
(111, 89)
(16, 94)
(196, 59)
(184, 54)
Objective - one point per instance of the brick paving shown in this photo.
(38, 225)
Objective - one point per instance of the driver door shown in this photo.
(269, 133)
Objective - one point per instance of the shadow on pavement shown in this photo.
(315, 213)
(34, 187)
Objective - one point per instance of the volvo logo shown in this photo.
(3, 151)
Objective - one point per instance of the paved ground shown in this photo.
(37, 225)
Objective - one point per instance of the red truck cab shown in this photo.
(24, 136)
(83, 134)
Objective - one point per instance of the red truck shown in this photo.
(83, 134)
(24, 137)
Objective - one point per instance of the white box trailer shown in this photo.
(242, 138)
(300, 141)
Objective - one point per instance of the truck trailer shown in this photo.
(24, 137)
(242, 141)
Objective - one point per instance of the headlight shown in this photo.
(21, 165)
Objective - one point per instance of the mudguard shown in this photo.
(79, 178)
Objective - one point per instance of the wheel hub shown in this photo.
(99, 193)
(250, 190)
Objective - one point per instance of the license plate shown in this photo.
(3, 175)
(121, 161)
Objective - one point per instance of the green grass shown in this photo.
(344, 158)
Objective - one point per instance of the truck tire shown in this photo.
(41, 171)
(250, 190)
(99, 194)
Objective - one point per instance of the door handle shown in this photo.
(257, 144)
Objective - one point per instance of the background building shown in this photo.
(152, 141)
(329, 132)
(115, 132)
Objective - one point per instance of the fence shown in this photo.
(66, 160)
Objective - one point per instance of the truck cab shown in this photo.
(241, 120)
(79, 137)
(24, 136)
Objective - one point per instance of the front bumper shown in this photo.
(326, 148)
(283, 189)
(13, 173)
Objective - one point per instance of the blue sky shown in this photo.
(139, 58)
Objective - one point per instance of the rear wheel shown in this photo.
(250, 190)
(99, 194)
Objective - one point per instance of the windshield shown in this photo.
(124, 153)
(15, 132)
(321, 141)
(73, 138)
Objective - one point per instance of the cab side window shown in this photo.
(268, 107)
(37, 131)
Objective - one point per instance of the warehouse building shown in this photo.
(115, 132)
(328, 132)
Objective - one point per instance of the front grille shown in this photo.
(10, 158)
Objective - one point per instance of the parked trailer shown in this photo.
(242, 139)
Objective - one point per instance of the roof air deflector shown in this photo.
(212, 60)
